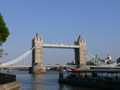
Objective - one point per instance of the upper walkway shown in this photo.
(60, 46)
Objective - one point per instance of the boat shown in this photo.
(87, 78)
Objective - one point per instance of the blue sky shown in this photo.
(61, 21)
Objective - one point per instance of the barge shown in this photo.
(91, 78)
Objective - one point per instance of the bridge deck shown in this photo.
(16, 66)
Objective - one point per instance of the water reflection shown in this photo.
(48, 81)
(36, 82)
(61, 87)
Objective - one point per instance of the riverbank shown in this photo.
(8, 82)
(15, 85)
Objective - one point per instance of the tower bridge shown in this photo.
(38, 45)
(79, 47)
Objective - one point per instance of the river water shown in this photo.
(47, 81)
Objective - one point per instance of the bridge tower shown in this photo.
(80, 53)
(37, 55)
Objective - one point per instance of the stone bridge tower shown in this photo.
(37, 55)
(80, 53)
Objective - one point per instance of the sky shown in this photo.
(61, 21)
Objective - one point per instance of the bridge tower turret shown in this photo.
(80, 53)
(37, 55)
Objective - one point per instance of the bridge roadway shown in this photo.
(58, 65)
(60, 46)
(27, 66)
(15, 66)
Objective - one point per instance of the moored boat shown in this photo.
(88, 78)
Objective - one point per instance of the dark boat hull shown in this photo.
(92, 83)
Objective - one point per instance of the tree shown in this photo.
(4, 32)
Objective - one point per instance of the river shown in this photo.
(47, 81)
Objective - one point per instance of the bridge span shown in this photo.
(60, 46)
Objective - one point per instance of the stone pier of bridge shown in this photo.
(37, 53)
